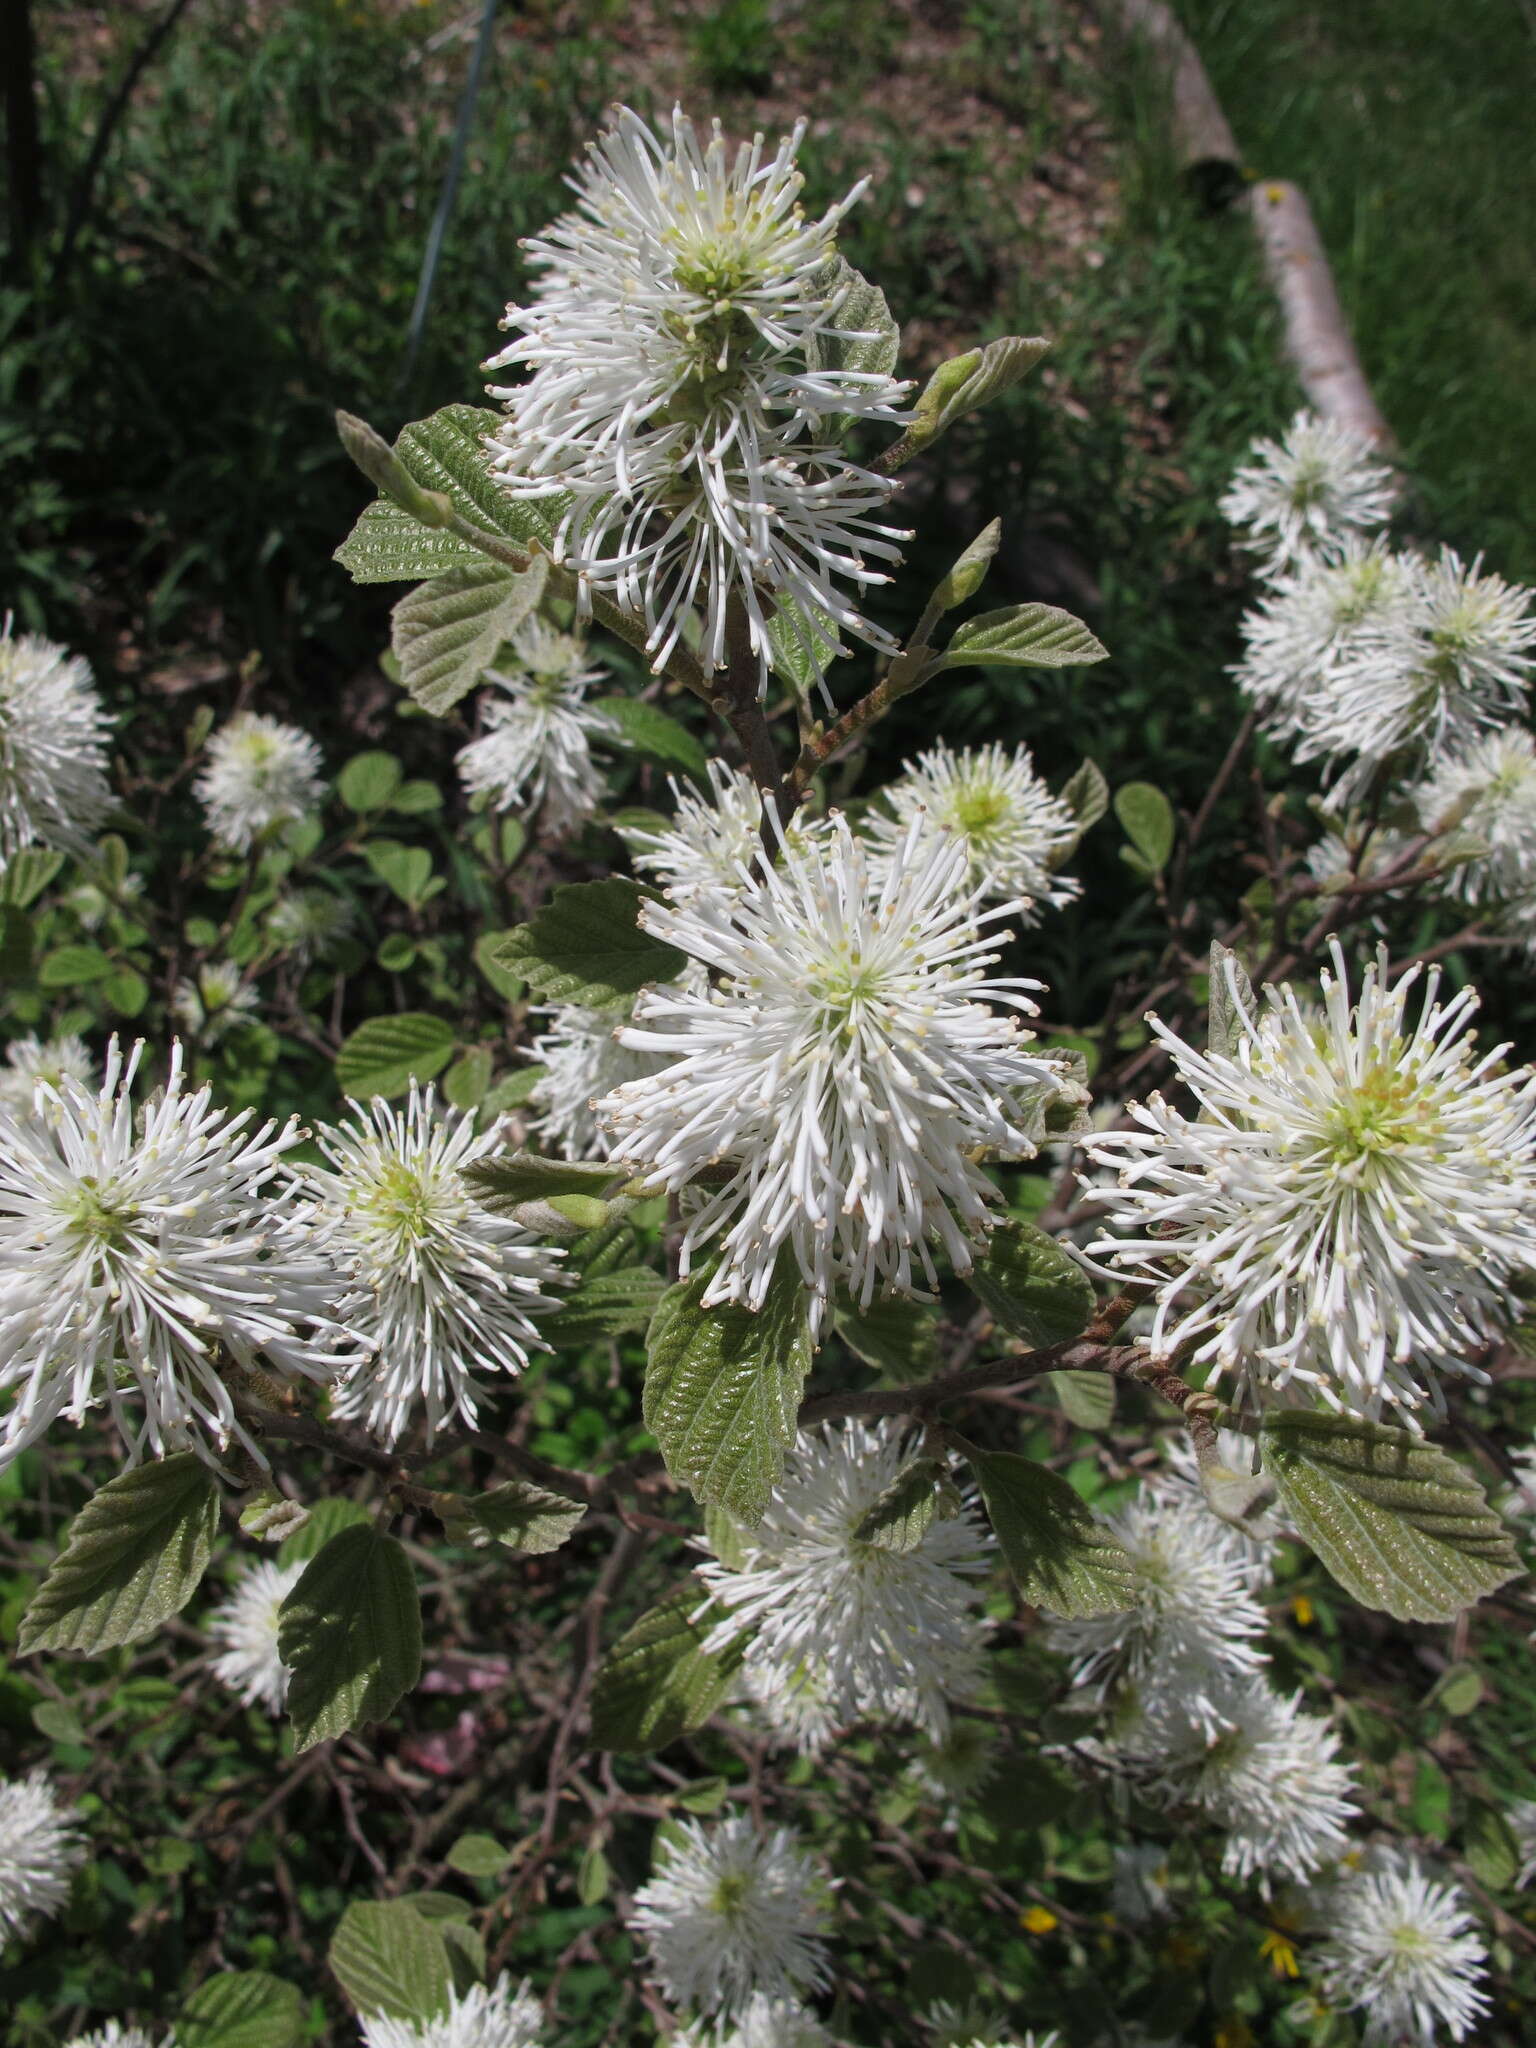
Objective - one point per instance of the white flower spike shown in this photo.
(245, 1627)
(1403, 1951)
(844, 1068)
(260, 773)
(682, 345)
(877, 1632)
(53, 748)
(436, 1285)
(1344, 1218)
(40, 1849)
(535, 755)
(1013, 829)
(1308, 493)
(732, 1915)
(141, 1253)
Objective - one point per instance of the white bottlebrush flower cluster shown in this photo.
(682, 344)
(1197, 1620)
(211, 1003)
(1192, 1717)
(147, 1254)
(1304, 496)
(1382, 663)
(1402, 1950)
(308, 925)
(1015, 832)
(732, 1916)
(583, 1060)
(53, 748)
(498, 2015)
(842, 1629)
(32, 1059)
(437, 1286)
(41, 1847)
(708, 842)
(245, 1628)
(1490, 793)
(260, 773)
(535, 754)
(844, 1063)
(1345, 1217)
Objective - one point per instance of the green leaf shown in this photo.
(447, 453)
(1086, 1398)
(135, 1555)
(657, 737)
(407, 870)
(1147, 817)
(723, 1386)
(445, 633)
(382, 1056)
(413, 799)
(506, 983)
(1031, 1286)
(368, 781)
(327, 1518)
(503, 1184)
(1231, 995)
(863, 312)
(468, 1080)
(1430, 1806)
(27, 874)
(1086, 795)
(388, 546)
(521, 1516)
(58, 1720)
(898, 1337)
(389, 1959)
(242, 2009)
(126, 991)
(606, 1305)
(905, 1511)
(15, 943)
(75, 967)
(512, 1090)
(1457, 1691)
(1021, 636)
(350, 1632)
(658, 1681)
(1062, 1557)
(477, 1856)
(974, 379)
(586, 946)
(1395, 1519)
(593, 1877)
(969, 571)
(1490, 1847)
(802, 643)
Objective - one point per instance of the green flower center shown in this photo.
(95, 1221)
(1384, 1114)
(731, 1895)
(978, 811)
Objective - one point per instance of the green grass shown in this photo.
(1408, 124)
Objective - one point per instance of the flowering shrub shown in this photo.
(755, 1107)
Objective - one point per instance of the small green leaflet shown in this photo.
(350, 1632)
(898, 1337)
(389, 1958)
(520, 1515)
(383, 1056)
(388, 546)
(606, 1305)
(904, 1513)
(723, 1386)
(1395, 1519)
(655, 735)
(445, 633)
(587, 946)
(1063, 1558)
(242, 2009)
(1231, 996)
(965, 382)
(136, 1553)
(1031, 1286)
(1021, 636)
(1086, 1398)
(658, 1681)
(1086, 794)
(1147, 817)
(503, 1184)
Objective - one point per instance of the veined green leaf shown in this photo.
(350, 1632)
(1061, 1556)
(658, 1681)
(587, 946)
